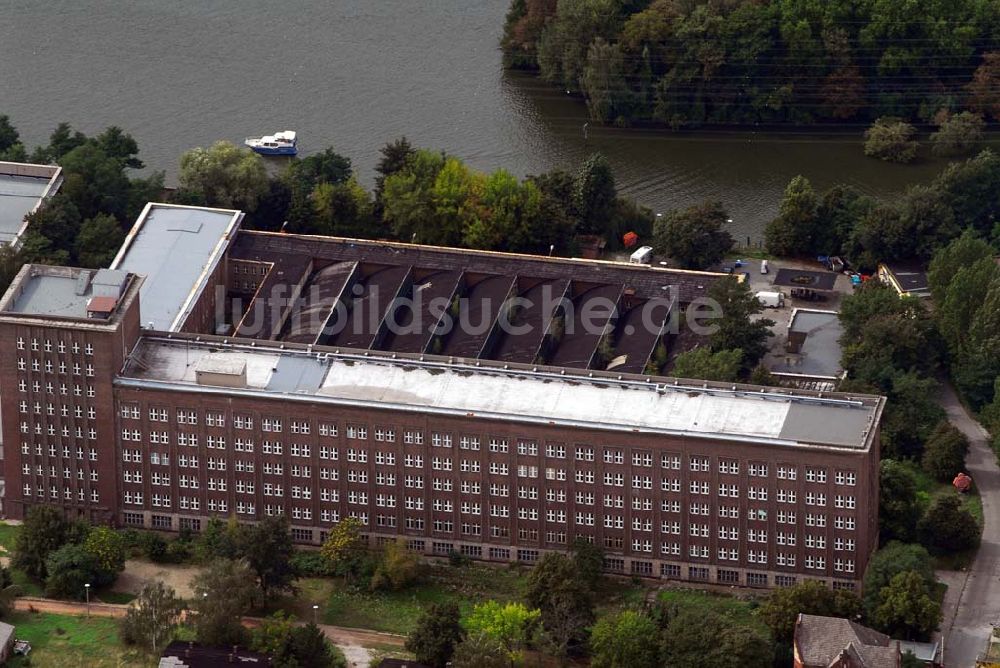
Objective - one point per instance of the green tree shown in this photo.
(8, 591)
(68, 569)
(736, 329)
(152, 618)
(894, 558)
(948, 527)
(345, 547)
(120, 145)
(594, 195)
(43, 532)
(95, 182)
(564, 42)
(627, 639)
(98, 241)
(964, 251)
(8, 133)
(906, 608)
(108, 547)
(944, 452)
(795, 229)
(481, 651)
(696, 639)
(225, 175)
(223, 592)
(898, 506)
(394, 157)
(984, 88)
(891, 140)
(220, 540)
(58, 220)
(564, 598)
(512, 625)
(604, 82)
(267, 548)
(397, 568)
(308, 646)
(958, 134)
(694, 237)
(407, 198)
(703, 364)
(436, 635)
(272, 635)
(783, 606)
(962, 300)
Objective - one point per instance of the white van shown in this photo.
(771, 299)
(642, 255)
(763, 266)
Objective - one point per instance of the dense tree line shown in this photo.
(843, 221)
(691, 62)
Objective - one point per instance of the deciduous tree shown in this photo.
(223, 592)
(899, 508)
(627, 639)
(152, 618)
(225, 175)
(703, 364)
(512, 625)
(267, 548)
(958, 134)
(948, 527)
(944, 452)
(905, 607)
(345, 546)
(783, 606)
(437, 634)
(695, 237)
(891, 139)
(43, 532)
(886, 563)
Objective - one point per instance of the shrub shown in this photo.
(944, 452)
(947, 527)
(311, 563)
(958, 134)
(891, 139)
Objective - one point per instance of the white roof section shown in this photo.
(599, 402)
(23, 188)
(176, 248)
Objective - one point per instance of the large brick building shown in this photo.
(179, 385)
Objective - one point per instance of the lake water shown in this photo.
(355, 74)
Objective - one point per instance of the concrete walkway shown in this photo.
(974, 604)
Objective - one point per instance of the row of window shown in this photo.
(59, 346)
(67, 493)
(63, 368)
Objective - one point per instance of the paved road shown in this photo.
(967, 628)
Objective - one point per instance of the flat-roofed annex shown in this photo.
(604, 401)
(176, 248)
(23, 188)
(65, 293)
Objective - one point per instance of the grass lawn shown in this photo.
(727, 607)
(61, 640)
(397, 612)
(8, 533)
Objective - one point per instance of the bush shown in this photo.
(70, 568)
(311, 563)
(958, 134)
(153, 546)
(947, 527)
(891, 139)
(397, 569)
(178, 551)
(944, 452)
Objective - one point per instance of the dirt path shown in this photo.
(353, 642)
(29, 603)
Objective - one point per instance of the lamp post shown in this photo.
(86, 588)
(315, 614)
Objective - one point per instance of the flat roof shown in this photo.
(23, 187)
(56, 292)
(820, 353)
(595, 400)
(788, 277)
(176, 248)
(910, 276)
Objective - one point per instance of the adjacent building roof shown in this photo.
(821, 642)
(788, 277)
(62, 292)
(814, 339)
(907, 278)
(176, 248)
(180, 654)
(23, 187)
(595, 400)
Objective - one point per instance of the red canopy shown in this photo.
(962, 482)
(630, 239)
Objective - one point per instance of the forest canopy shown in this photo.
(692, 62)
